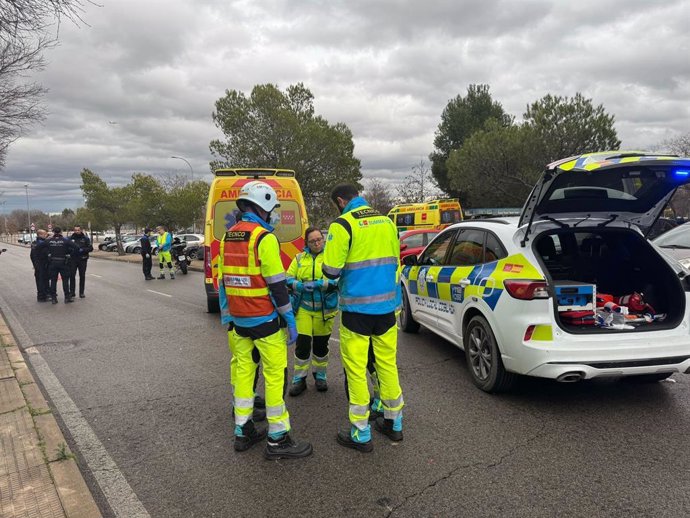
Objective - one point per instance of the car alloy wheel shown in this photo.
(480, 353)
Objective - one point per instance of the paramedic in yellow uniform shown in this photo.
(316, 304)
(363, 253)
(257, 298)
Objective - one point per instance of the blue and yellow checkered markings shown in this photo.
(593, 161)
(486, 280)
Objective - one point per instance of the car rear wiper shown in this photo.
(675, 247)
(554, 220)
(612, 218)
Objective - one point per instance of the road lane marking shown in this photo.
(159, 293)
(95, 275)
(117, 491)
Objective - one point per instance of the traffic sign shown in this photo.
(33, 227)
(50, 227)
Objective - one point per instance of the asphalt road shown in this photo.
(141, 381)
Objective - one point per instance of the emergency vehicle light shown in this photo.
(681, 173)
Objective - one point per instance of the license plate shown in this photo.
(182, 258)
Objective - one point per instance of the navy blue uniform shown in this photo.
(146, 252)
(59, 250)
(39, 258)
(78, 262)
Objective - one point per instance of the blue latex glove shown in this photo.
(309, 286)
(298, 287)
(291, 327)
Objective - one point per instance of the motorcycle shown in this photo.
(178, 253)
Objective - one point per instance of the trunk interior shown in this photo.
(617, 262)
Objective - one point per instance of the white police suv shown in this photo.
(571, 289)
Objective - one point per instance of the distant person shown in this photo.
(164, 246)
(78, 261)
(146, 250)
(39, 258)
(58, 250)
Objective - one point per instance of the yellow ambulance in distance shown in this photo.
(222, 213)
(435, 214)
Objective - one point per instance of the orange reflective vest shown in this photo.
(246, 289)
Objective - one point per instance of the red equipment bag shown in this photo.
(577, 318)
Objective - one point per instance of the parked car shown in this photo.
(134, 247)
(676, 243)
(413, 241)
(106, 241)
(112, 246)
(661, 226)
(522, 295)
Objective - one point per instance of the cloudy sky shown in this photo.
(137, 84)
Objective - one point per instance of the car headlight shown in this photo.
(685, 262)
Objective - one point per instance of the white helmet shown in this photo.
(259, 193)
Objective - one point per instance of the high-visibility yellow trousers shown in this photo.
(273, 352)
(312, 324)
(354, 350)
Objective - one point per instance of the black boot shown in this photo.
(287, 448)
(68, 300)
(250, 436)
(385, 426)
(345, 439)
(320, 383)
(259, 402)
(81, 296)
(259, 414)
(54, 300)
(298, 388)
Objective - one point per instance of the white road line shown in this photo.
(159, 293)
(121, 498)
(95, 275)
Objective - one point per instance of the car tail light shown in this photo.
(528, 333)
(207, 262)
(526, 289)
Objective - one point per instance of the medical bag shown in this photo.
(575, 296)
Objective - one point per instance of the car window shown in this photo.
(435, 253)
(404, 220)
(414, 241)
(468, 248)
(678, 237)
(493, 249)
(429, 237)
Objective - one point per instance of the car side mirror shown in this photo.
(403, 246)
(410, 260)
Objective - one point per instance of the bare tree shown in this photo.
(679, 145)
(419, 186)
(378, 195)
(26, 31)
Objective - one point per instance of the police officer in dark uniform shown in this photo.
(39, 258)
(59, 250)
(79, 260)
(146, 251)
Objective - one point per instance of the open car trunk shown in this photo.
(612, 262)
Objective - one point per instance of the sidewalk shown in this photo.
(38, 474)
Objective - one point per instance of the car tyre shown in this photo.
(484, 358)
(136, 250)
(407, 323)
(647, 378)
(212, 305)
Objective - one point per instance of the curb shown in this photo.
(135, 258)
(31, 495)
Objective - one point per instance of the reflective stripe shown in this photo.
(359, 410)
(393, 404)
(279, 426)
(251, 270)
(329, 270)
(272, 279)
(367, 300)
(320, 364)
(371, 262)
(285, 309)
(361, 424)
(244, 402)
(311, 305)
(302, 367)
(247, 292)
(275, 411)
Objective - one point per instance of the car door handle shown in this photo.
(429, 278)
(464, 283)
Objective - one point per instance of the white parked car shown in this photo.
(525, 295)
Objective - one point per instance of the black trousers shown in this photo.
(80, 266)
(146, 264)
(303, 347)
(42, 281)
(61, 268)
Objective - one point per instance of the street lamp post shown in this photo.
(28, 212)
(192, 171)
(185, 160)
